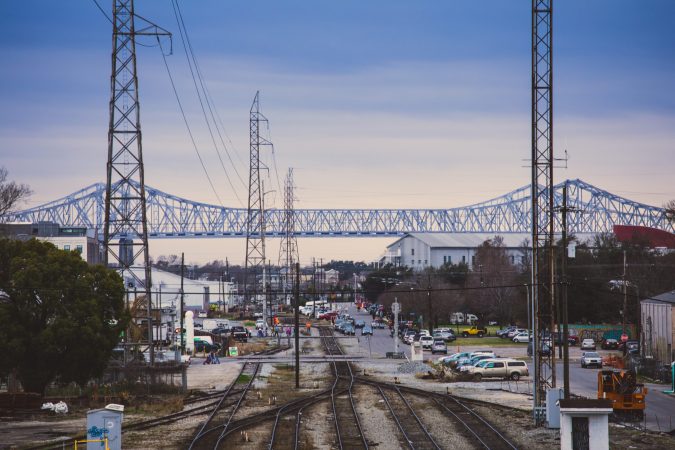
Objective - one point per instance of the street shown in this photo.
(660, 410)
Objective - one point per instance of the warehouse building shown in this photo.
(657, 317)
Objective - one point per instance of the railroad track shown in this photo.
(348, 430)
(415, 435)
(476, 428)
(213, 430)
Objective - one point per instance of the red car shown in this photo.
(328, 316)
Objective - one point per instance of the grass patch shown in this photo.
(249, 323)
(243, 378)
(489, 341)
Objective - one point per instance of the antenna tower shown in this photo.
(125, 235)
(255, 220)
(288, 251)
(543, 292)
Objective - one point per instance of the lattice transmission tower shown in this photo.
(255, 220)
(543, 292)
(125, 234)
(288, 251)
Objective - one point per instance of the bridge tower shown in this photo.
(543, 292)
(255, 218)
(288, 251)
(125, 232)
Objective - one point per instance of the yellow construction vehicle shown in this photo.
(627, 396)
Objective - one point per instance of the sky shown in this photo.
(377, 104)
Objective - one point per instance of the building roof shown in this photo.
(666, 297)
(464, 240)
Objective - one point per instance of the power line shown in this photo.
(187, 125)
(187, 47)
(102, 11)
(209, 101)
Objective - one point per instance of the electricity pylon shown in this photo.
(255, 220)
(543, 292)
(125, 236)
(288, 251)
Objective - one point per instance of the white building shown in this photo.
(421, 250)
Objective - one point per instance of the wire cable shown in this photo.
(188, 51)
(187, 125)
(102, 11)
(209, 99)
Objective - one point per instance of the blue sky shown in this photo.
(374, 103)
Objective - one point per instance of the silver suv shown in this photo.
(591, 359)
(439, 346)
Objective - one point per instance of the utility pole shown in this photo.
(563, 287)
(316, 298)
(182, 302)
(429, 300)
(255, 221)
(543, 292)
(125, 234)
(625, 296)
(296, 331)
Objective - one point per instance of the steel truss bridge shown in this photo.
(169, 216)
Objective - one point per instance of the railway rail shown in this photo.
(348, 430)
(213, 430)
(413, 431)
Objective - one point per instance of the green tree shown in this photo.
(59, 317)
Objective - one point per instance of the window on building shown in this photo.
(513, 259)
(419, 261)
(449, 259)
(473, 260)
(412, 250)
(445, 259)
(78, 249)
(66, 247)
(425, 262)
(463, 259)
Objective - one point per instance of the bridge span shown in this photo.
(169, 216)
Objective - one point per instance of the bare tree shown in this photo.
(11, 193)
(670, 210)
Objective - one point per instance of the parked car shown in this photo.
(515, 331)
(447, 336)
(522, 337)
(239, 333)
(471, 361)
(359, 324)
(474, 331)
(503, 333)
(571, 339)
(221, 331)
(260, 324)
(426, 341)
(545, 349)
(203, 346)
(439, 346)
(632, 346)
(367, 331)
(454, 358)
(609, 344)
(591, 359)
(348, 329)
(588, 344)
(378, 324)
(500, 368)
(408, 336)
